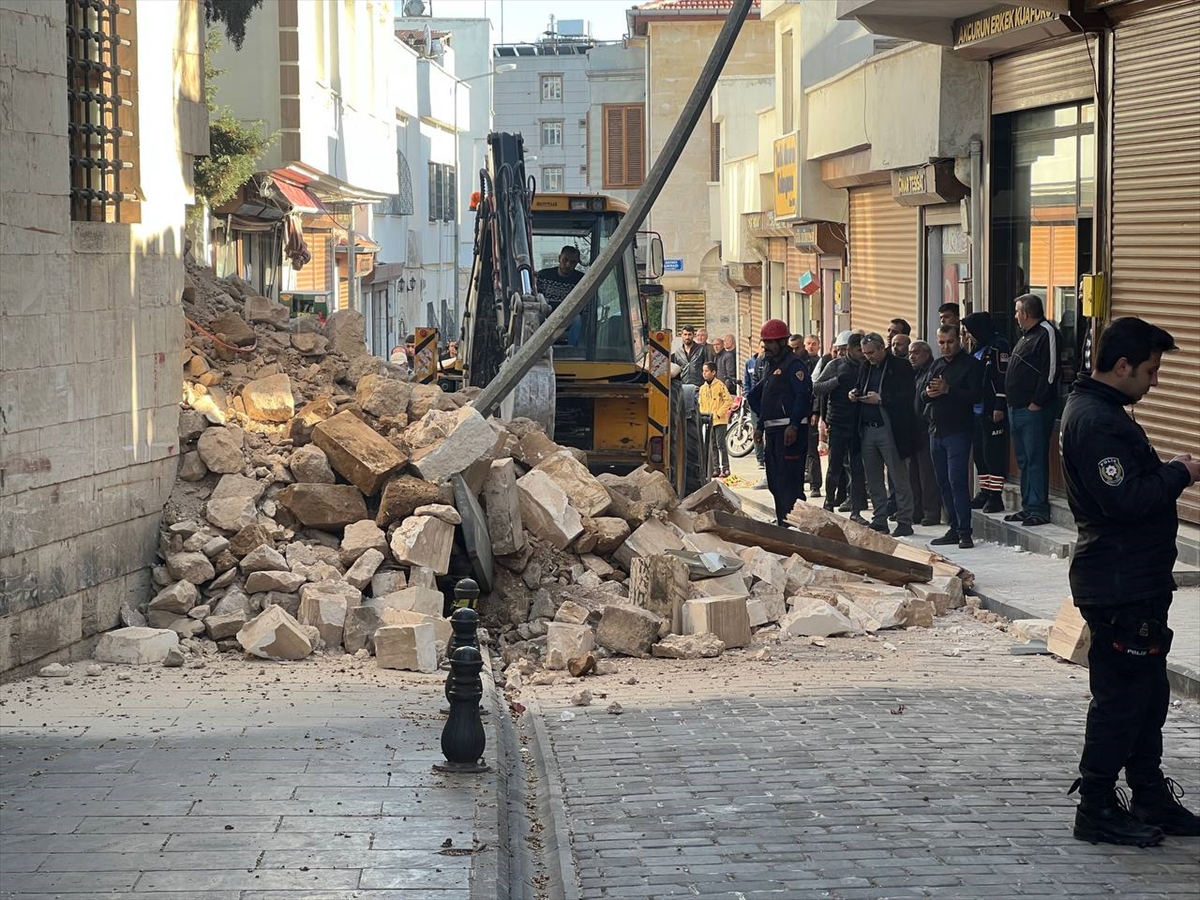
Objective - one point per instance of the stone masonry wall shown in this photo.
(91, 332)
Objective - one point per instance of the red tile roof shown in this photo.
(714, 6)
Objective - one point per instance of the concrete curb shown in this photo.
(560, 860)
(489, 869)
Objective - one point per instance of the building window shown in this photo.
(401, 203)
(552, 134)
(624, 150)
(443, 192)
(551, 87)
(552, 179)
(100, 116)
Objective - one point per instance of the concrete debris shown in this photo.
(815, 618)
(136, 646)
(274, 634)
(54, 670)
(689, 646)
(627, 630)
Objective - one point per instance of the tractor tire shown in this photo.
(687, 441)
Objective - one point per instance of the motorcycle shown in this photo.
(739, 436)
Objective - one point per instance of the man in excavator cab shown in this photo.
(555, 282)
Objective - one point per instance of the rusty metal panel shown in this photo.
(1156, 213)
(885, 249)
(1044, 77)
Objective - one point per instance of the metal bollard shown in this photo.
(465, 625)
(466, 594)
(463, 738)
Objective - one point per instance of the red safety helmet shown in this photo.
(775, 330)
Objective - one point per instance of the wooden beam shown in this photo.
(816, 550)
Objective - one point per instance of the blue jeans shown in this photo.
(1031, 443)
(951, 464)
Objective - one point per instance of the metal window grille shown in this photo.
(94, 109)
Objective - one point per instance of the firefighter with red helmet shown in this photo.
(782, 400)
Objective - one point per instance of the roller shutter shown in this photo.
(884, 254)
(1156, 212)
(1046, 77)
(314, 277)
(798, 262)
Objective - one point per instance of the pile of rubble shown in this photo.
(326, 503)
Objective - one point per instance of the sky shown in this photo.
(525, 20)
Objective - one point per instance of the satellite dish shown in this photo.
(414, 8)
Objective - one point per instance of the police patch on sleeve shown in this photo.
(1112, 472)
(800, 374)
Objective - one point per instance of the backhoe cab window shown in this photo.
(604, 330)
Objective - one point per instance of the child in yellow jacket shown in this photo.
(715, 401)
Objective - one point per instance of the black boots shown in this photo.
(1105, 818)
(1158, 805)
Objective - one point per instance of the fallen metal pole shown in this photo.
(535, 347)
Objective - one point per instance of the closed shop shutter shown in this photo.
(799, 262)
(884, 253)
(691, 309)
(1156, 213)
(1046, 77)
(314, 277)
(756, 320)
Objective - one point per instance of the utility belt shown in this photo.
(1134, 635)
(776, 423)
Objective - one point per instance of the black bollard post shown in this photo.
(464, 624)
(466, 594)
(463, 738)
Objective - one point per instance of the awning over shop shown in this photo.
(362, 243)
(301, 198)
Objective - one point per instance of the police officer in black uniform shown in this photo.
(990, 440)
(782, 400)
(1124, 501)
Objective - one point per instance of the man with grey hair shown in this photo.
(887, 427)
(1031, 388)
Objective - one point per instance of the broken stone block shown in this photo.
(443, 511)
(651, 538)
(766, 605)
(627, 630)
(388, 582)
(764, 565)
(347, 333)
(324, 606)
(731, 585)
(442, 630)
(426, 397)
(233, 503)
(598, 566)
(815, 618)
(889, 610)
(564, 642)
(193, 567)
(310, 465)
(939, 598)
(424, 541)
(187, 627)
(174, 659)
(652, 487)
(1024, 631)
(221, 449)
(358, 538)
(251, 536)
(221, 627)
(290, 602)
(411, 647)
(533, 447)
(424, 600)
(383, 397)
(422, 576)
(726, 617)
(273, 634)
(546, 510)
(610, 532)
(263, 558)
(952, 587)
(660, 584)
(401, 497)
(572, 613)
(192, 467)
(131, 617)
(361, 624)
(588, 496)
(712, 497)
(863, 621)
(328, 507)
(502, 501)
(215, 546)
(468, 439)
(919, 613)
(359, 575)
(160, 618)
(285, 582)
(357, 452)
(309, 344)
(135, 646)
(234, 601)
(688, 646)
(264, 310)
(233, 329)
(178, 599)
(269, 399)
(578, 666)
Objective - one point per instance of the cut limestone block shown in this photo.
(424, 541)
(503, 503)
(610, 532)
(1070, 637)
(816, 618)
(324, 605)
(688, 646)
(939, 598)
(426, 601)
(889, 610)
(328, 507)
(193, 567)
(273, 634)
(411, 647)
(388, 581)
(179, 598)
(546, 510)
(221, 627)
(766, 604)
(713, 496)
(362, 622)
(660, 584)
(136, 646)
(357, 452)
(764, 565)
(1023, 631)
(284, 582)
(863, 621)
(952, 586)
(919, 613)
(263, 558)
(565, 642)
(360, 574)
(269, 399)
(651, 538)
(442, 629)
(628, 630)
(726, 617)
(468, 439)
(358, 538)
(572, 613)
(587, 495)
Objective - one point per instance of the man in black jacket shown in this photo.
(927, 496)
(1124, 501)
(991, 430)
(948, 394)
(1031, 387)
(841, 420)
(887, 431)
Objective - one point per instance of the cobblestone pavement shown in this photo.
(239, 781)
(935, 765)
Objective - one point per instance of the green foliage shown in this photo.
(233, 156)
(233, 14)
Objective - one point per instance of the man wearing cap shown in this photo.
(782, 399)
(841, 420)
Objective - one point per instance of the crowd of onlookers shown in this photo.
(903, 421)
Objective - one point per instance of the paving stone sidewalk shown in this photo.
(239, 781)
(847, 772)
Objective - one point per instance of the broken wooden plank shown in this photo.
(816, 550)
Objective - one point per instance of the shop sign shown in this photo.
(932, 183)
(999, 20)
(786, 173)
